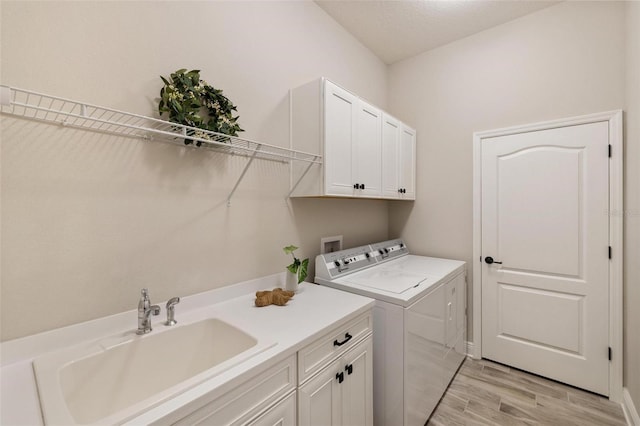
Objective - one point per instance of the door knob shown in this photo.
(489, 260)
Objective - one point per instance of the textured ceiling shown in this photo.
(398, 29)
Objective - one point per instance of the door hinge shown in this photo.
(609, 353)
(610, 150)
(610, 255)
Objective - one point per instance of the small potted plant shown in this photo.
(297, 271)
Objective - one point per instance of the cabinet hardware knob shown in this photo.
(340, 377)
(348, 368)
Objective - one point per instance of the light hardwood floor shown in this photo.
(486, 393)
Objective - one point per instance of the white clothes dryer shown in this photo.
(419, 323)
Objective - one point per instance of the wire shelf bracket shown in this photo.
(52, 109)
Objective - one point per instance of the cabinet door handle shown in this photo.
(349, 369)
(362, 186)
(340, 377)
(347, 337)
(356, 185)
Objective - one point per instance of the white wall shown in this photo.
(88, 219)
(562, 61)
(632, 206)
(571, 59)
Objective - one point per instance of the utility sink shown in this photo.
(116, 378)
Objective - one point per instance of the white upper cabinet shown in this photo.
(340, 124)
(390, 156)
(364, 155)
(367, 160)
(398, 159)
(407, 164)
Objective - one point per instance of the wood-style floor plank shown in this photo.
(487, 393)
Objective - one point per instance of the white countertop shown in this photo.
(312, 312)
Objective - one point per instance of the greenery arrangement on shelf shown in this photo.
(191, 101)
(298, 267)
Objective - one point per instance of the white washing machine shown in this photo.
(419, 323)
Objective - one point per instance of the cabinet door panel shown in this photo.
(368, 150)
(340, 133)
(390, 160)
(358, 385)
(408, 163)
(320, 399)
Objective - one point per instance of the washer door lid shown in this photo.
(388, 280)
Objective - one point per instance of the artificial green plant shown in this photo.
(298, 267)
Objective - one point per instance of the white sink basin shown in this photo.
(117, 378)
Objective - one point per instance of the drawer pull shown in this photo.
(349, 369)
(340, 377)
(347, 337)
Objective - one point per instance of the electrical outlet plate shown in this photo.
(330, 244)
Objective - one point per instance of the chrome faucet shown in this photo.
(171, 311)
(145, 310)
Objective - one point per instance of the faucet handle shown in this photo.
(171, 311)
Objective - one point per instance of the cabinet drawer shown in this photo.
(282, 414)
(247, 400)
(318, 354)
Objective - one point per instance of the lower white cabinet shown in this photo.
(342, 392)
(281, 414)
(328, 382)
(251, 400)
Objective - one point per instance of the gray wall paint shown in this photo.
(88, 219)
(570, 59)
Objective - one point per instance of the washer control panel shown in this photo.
(390, 249)
(339, 263)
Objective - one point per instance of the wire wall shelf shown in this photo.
(52, 109)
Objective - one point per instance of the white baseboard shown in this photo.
(470, 349)
(630, 411)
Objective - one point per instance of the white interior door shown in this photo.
(544, 203)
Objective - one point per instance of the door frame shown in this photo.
(614, 119)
